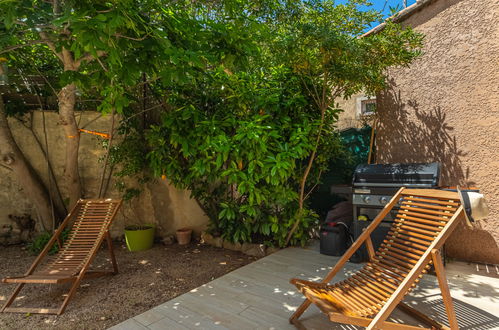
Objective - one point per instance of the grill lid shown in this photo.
(397, 175)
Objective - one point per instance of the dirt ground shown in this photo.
(146, 279)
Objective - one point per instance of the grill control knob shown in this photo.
(367, 199)
(383, 200)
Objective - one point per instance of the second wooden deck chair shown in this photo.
(89, 222)
(424, 221)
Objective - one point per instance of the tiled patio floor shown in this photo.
(259, 296)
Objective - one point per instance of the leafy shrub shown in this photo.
(240, 146)
(40, 241)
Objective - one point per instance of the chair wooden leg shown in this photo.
(370, 248)
(444, 288)
(12, 297)
(111, 252)
(298, 325)
(296, 315)
(81, 275)
(70, 295)
(364, 322)
(421, 316)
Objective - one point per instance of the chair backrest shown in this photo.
(91, 220)
(422, 216)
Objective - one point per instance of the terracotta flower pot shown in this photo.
(184, 236)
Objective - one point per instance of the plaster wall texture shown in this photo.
(348, 117)
(445, 108)
(159, 203)
(351, 117)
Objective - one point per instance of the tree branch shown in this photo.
(6, 167)
(146, 82)
(31, 43)
(324, 87)
(142, 112)
(50, 44)
(118, 35)
(20, 23)
(91, 121)
(55, 7)
(315, 185)
(68, 59)
(46, 80)
(108, 152)
(314, 97)
(101, 64)
(89, 57)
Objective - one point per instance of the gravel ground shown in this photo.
(146, 279)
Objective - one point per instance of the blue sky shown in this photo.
(384, 5)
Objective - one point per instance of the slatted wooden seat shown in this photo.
(424, 221)
(89, 221)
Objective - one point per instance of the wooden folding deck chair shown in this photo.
(90, 226)
(424, 221)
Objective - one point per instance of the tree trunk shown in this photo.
(67, 102)
(303, 181)
(12, 157)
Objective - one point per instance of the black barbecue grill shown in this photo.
(374, 185)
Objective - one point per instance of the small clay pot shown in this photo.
(184, 236)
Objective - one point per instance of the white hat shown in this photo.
(475, 207)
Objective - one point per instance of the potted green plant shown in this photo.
(139, 236)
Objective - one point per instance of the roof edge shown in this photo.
(400, 16)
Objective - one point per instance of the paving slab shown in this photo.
(259, 296)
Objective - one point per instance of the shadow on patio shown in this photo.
(259, 296)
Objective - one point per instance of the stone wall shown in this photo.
(445, 108)
(159, 202)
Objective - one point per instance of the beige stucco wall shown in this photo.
(159, 202)
(350, 116)
(445, 108)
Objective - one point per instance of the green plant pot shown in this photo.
(139, 238)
